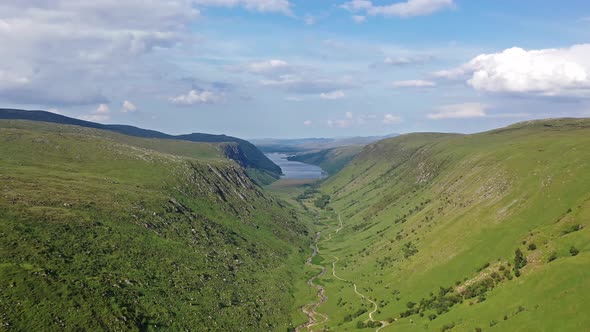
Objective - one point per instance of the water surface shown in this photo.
(295, 169)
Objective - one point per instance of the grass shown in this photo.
(425, 211)
(330, 160)
(101, 231)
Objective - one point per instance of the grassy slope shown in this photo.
(249, 156)
(101, 231)
(455, 203)
(330, 160)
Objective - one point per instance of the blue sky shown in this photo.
(286, 68)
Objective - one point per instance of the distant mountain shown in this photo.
(313, 144)
(243, 152)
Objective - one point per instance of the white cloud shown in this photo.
(103, 109)
(309, 83)
(348, 115)
(545, 72)
(357, 5)
(359, 19)
(263, 6)
(459, 111)
(413, 84)
(273, 66)
(340, 123)
(194, 97)
(407, 60)
(101, 114)
(338, 94)
(100, 41)
(293, 98)
(128, 107)
(307, 123)
(391, 119)
(399, 9)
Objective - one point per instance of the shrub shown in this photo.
(410, 304)
(532, 246)
(478, 329)
(447, 327)
(574, 251)
(552, 257)
(432, 316)
(573, 228)
(519, 259)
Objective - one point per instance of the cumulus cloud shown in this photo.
(307, 123)
(413, 84)
(332, 95)
(391, 119)
(195, 97)
(99, 43)
(101, 114)
(263, 6)
(399, 9)
(459, 111)
(545, 72)
(128, 107)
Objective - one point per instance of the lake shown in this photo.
(295, 169)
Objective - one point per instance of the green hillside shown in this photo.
(105, 232)
(258, 166)
(483, 232)
(330, 160)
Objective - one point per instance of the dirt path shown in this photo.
(375, 305)
(310, 309)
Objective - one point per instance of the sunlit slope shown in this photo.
(425, 211)
(101, 231)
(330, 160)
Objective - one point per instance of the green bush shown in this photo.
(519, 259)
(574, 251)
(532, 246)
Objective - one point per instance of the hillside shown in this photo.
(103, 232)
(243, 152)
(302, 145)
(330, 160)
(483, 232)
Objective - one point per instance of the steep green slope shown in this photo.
(101, 231)
(242, 151)
(464, 232)
(330, 160)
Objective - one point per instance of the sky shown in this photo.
(298, 68)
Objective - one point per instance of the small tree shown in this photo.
(532, 246)
(574, 251)
(519, 259)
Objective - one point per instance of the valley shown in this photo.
(420, 232)
(460, 232)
